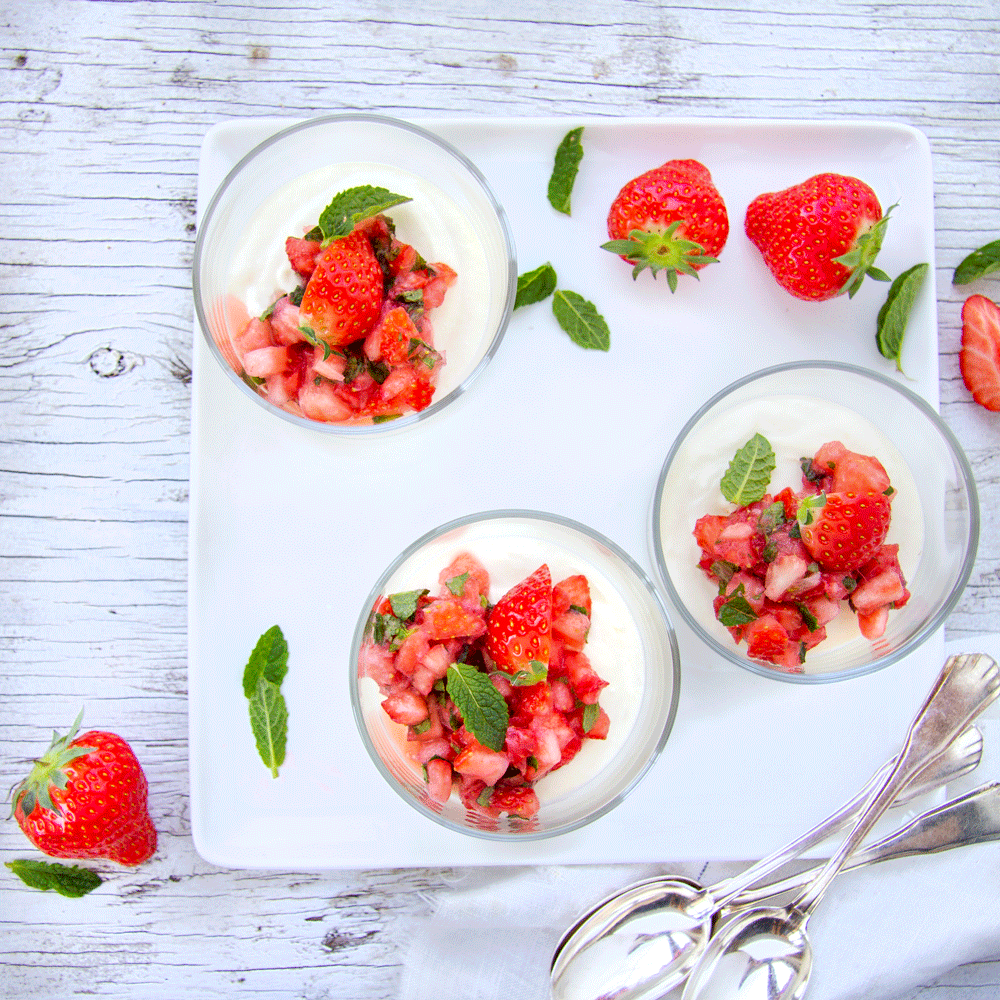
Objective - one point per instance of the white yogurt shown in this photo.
(431, 222)
(795, 426)
(614, 645)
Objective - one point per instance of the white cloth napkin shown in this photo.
(879, 932)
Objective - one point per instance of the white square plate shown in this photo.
(294, 527)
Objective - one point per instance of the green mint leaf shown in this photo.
(581, 320)
(749, 472)
(525, 678)
(736, 610)
(771, 518)
(404, 604)
(591, 713)
(269, 721)
(723, 570)
(457, 584)
(567, 162)
(895, 312)
(978, 264)
(481, 704)
(804, 514)
(811, 621)
(351, 206)
(68, 880)
(533, 286)
(269, 659)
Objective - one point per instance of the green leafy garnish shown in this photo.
(895, 312)
(567, 163)
(581, 320)
(736, 610)
(533, 286)
(537, 673)
(978, 264)
(457, 584)
(262, 677)
(861, 260)
(269, 721)
(269, 659)
(404, 604)
(481, 704)
(68, 880)
(351, 206)
(810, 620)
(804, 514)
(591, 713)
(749, 472)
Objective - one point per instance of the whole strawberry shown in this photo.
(821, 237)
(980, 355)
(847, 530)
(343, 297)
(86, 798)
(669, 219)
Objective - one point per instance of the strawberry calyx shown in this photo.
(49, 770)
(661, 250)
(860, 259)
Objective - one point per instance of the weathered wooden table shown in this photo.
(103, 107)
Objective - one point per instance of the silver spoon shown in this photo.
(764, 953)
(643, 941)
(972, 818)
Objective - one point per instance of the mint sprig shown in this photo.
(978, 264)
(581, 320)
(262, 677)
(567, 162)
(533, 286)
(895, 312)
(482, 706)
(71, 881)
(350, 207)
(749, 473)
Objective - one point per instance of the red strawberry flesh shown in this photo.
(979, 358)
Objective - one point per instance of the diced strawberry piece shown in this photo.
(323, 402)
(403, 259)
(285, 322)
(884, 589)
(782, 574)
(443, 277)
(376, 662)
(563, 699)
(466, 574)
(433, 666)
(873, 623)
(447, 618)
(469, 790)
(422, 750)
(533, 699)
(571, 593)
(406, 707)
(302, 255)
(477, 761)
(257, 333)
(265, 361)
(439, 779)
(412, 650)
(331, 367)
(766, 639)
(515, 800)
(848, 471)
(979, 358)
(390, 339)
(599, 730)
(571, 629)
(583, 678)
(519, 745)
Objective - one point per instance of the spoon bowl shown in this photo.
(645, 940)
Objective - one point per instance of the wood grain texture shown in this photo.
(103, 107)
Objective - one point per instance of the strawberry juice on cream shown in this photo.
(795, 426)
(431, 222)
(614, 645)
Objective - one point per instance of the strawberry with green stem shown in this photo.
(671, 219)
(86, 797)
(519, 627)
(819, 238)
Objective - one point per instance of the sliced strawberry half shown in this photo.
(519, 626)
(980, 355)
(848, 530)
